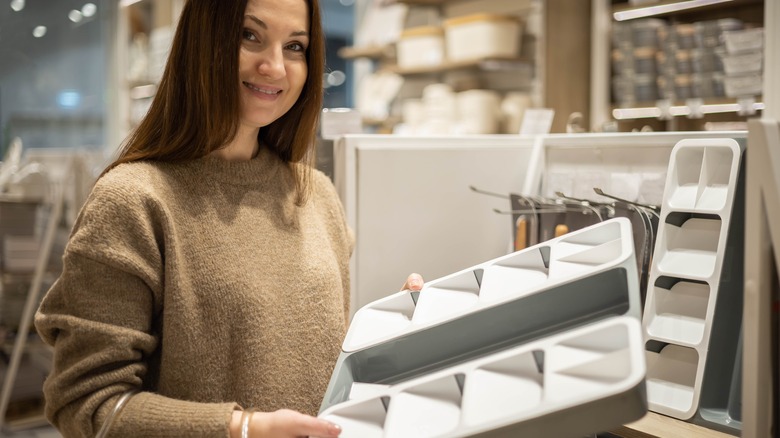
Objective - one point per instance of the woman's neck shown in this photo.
(243, 147)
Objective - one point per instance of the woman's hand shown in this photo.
(414, 282)
(284, 423)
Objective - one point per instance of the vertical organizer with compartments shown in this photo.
(544, 339)
(693, 311)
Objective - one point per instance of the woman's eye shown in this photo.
(296, 47)
(248, 35)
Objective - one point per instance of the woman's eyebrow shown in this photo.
(262, 24)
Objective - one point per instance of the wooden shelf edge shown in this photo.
(627, 7)
(491, 63)
(373, 52)
(654, 425)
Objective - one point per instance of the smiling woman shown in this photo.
(208, 270)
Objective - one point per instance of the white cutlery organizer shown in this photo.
(543, 341)
(692, 316)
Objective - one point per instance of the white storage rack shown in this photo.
(692, 315)
(511, 346)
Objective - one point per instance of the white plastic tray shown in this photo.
(576, 255)
(686, 271)
(512, 345)
(599, 368)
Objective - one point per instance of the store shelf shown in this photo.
(485, 64)
(373, 52)
(422, 2)
(680, 108)
(655, 425)
(627, 11)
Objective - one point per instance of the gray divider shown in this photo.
(549, 311)
(720, 400)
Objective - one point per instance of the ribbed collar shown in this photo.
(263, 168)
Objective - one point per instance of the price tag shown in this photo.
(537, 121)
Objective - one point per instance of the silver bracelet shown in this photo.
(117, 409)
(246, 417)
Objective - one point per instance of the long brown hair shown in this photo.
(197, 107)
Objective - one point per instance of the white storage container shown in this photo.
(480, 36)
(420, 47)
(479, 111)
(743, 85)
(744, 40)
(743, 63)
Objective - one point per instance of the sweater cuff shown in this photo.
(151, 415)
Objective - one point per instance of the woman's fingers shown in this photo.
(413, 282)
(288, 424)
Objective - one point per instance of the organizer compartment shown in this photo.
(689, 246)
(678, 310)
(671, 377)
(701, 178)
(507, 391)
(684, 185)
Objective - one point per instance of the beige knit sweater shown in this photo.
(203, 285)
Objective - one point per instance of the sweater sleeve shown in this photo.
(100, 318)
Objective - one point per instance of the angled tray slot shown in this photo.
(430, 409)
(586, 259)
(503, 389)
(448, 296)
(381, 318)
(362, 420)
(586, 364)
(514, 275)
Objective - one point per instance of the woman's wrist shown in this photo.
(235, 424)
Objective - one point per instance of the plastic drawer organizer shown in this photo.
(545, 342)
(693, 312)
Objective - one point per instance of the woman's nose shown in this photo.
(271, 63)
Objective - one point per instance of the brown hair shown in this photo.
(197, 106)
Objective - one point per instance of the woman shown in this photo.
(208, 269)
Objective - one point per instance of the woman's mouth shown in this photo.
(268, 91)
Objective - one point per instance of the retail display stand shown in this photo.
(545, 340)
(693, 310)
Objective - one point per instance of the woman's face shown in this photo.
(272, 65)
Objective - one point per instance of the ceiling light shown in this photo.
(17, 5)
(88, 10)
(336, 78)
(74, 15)
(39, 31)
